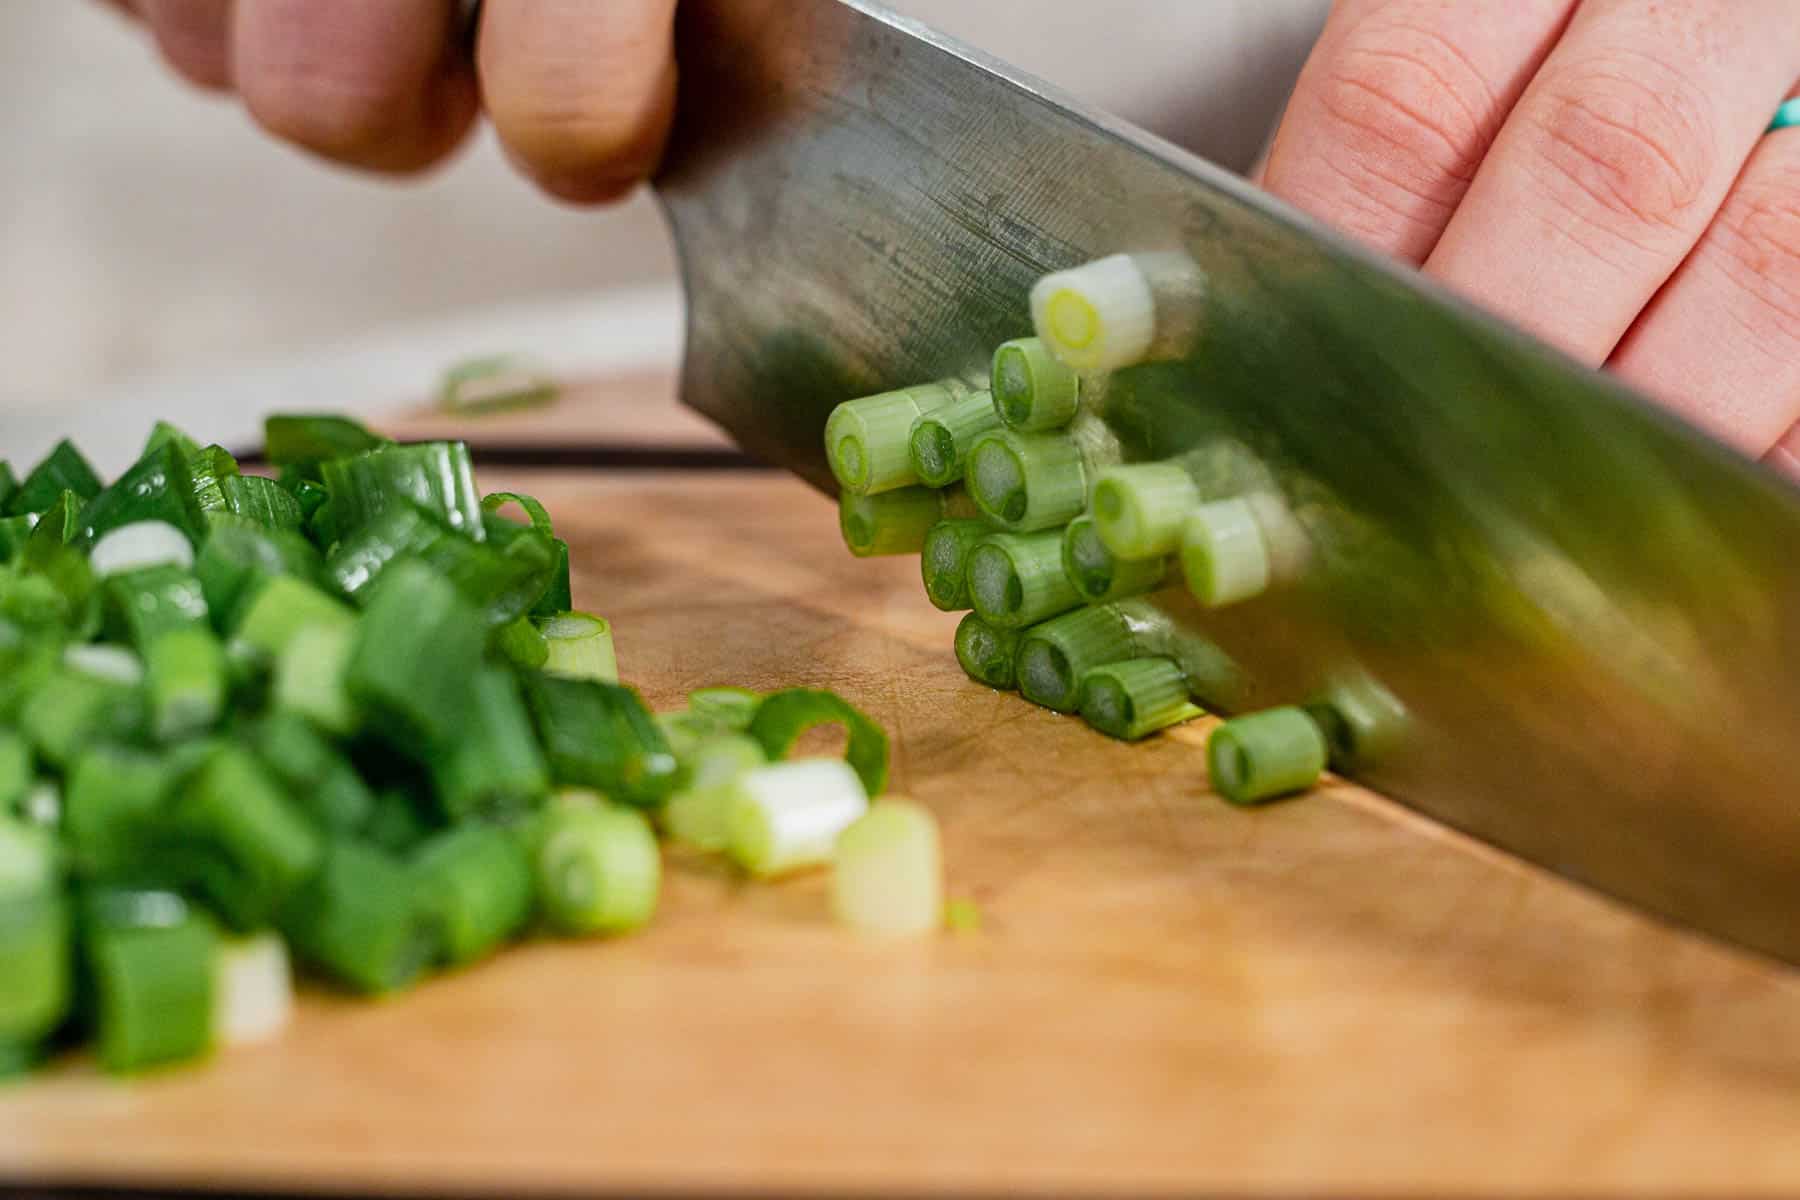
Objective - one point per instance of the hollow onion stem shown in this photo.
(1265, 755)
(987, 653)
(1100, 575)
(939, 441)
(1135, 698)
(1121, 310)
(1016, 579)
(1054, 656)
(1032, 391)
(868, 440)
(944, 562)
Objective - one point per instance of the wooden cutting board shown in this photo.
(1167, 995)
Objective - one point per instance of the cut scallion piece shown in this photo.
(492, 767)
(263, 501)
(1027, 481)
(155, 488)
(600, 735)
(988, 653)
(598, 869)
(476, 881)
(263, 847)
(140, 544)
(944, 562)
(185, 678)
(147, 603)
(726, 707)
(436, 476)
(699, 814)
(1032, 391)
(253, 990)
(312, 674)
(360, 919)
(73, 708)
(888, 872)
(319, 779)
(1118, 311)
(522, 644)
(1363, 722)
(1141, 510)
(496, 384)
(15, 769)
(940, 440)
(151, 958)
(784, 716)
(238, 557)
(304, 441)
(1265, 755)
(281, 608)
(579, 646)
(9, 483)
(867, 441)
(1136, 698)
(114, 795)
(1223, 554)
(1054, 656)
(207, 472)
(36, 984)
(115, 664)
(62, 470)
(788, 816)
(892, 523)
(1100, 575)
(415, 651)
(164, 434)
(1017, 579)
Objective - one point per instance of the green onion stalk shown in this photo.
(868, 441)
(1025, 482)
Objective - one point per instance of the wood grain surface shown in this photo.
(1168, 995)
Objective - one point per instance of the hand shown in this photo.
(580, 91)
(1595, 171)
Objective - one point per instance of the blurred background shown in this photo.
(160, 257)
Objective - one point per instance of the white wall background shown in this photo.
(151, 241)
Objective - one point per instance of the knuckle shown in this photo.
(332, 112)
(1758, 232)
(1629, 146)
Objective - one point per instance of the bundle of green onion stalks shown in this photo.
(1018, 497)
(346, 717)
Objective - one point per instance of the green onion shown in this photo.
(258, 845)
(535, 512)
(304, 442)
(253, 989)
(157, 487)
(892, 523)
(185, 679)
(888, 873)
(1017, 579)
(988, 653)
(600, 735)
(320, 780)
(1134, 699)
(115, 664)
(492, 767)
(60, 524)
(281, 608)
(867, 441)
(727, 707)
(16, 771)
(72, 709)
(139, 545)
(784, 716)
(1223, 554)
(598, 869)
(62, 470)
(1265, 755)
(1141, 510)
(495, 384)
(397, 821)
(35, 976)
(557, 596)
(1099, 575)
(944, 562)
(239, 556)
(415, 651)
(114, 795)
(164, 434)
(939, 441)
(699, 814)
(207, 472)
(312, 676)
(361, 920)
(1027, 481)
(1362, 721)
(262, 500)
(522, 644)
(1054, 656)
(787, 816)
(476, 882)
(1118, 311)
(9, 483)
(579, 646)
(14, 531)
(149, 602)
(436, 476)
(1032, 390)
(310, 496)
(151, 959)
(504, 579)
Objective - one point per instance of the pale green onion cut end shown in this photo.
(1017, 579)
(787, 816)
(940, 440)
(1136, 698)
(1054, 656)
(987, 653)
(579, 646)
(114, 664)
(1265, 755)
(1223, 554)
(1099, 316)
(1097, 573)
(1141, 510)
(253, 990)
(1363, 722)
(868, 440)
(891, 523)
(310, 677)
(1027, 481)
(888, 871)
(598, 869)
(944, 562)
(1032, 391)
(139, 545)
(699, 815)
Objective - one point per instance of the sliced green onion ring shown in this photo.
(140, 544)
(944, 562)
(1017, 579)
(787, 816)
(784, 716)
(940, 440)
(1223, 554)
(868, 440)
(888, 871)
(1032, 390)
(1136, 698)
(1265, 755)
(1097, 573)
(988, 653)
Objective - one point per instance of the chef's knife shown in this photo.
(1577, 614)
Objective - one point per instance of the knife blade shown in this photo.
(1576, 613)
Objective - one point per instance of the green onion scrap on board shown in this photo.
(1030, 518)
(347, 723)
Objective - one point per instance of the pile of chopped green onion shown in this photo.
(1027, 518)
(347, 722)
